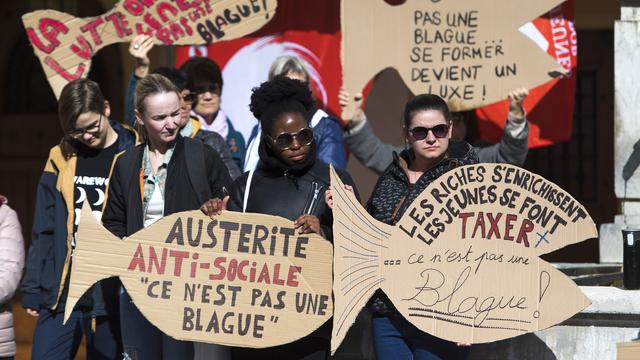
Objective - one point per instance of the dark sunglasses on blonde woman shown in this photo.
(285, 140)
(439, 131)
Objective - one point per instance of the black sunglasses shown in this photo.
(189, 98)
(211, 88)
(439, 131)
(285, 140)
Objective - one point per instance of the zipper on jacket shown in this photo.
(314, 199)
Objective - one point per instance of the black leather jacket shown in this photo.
(286, 191)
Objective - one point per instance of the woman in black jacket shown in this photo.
(290, 182)
(429, 154)
(164, 175)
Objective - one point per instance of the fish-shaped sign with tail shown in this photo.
(240, 279)
(463, 261)
(65, 44)
(470, 53)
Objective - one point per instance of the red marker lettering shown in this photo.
(53, 64)
(84, 50)
(91, 27)
(49, 28)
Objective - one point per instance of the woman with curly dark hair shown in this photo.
(289, 182)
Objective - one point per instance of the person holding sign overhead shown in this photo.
(290, 182)
(78, 170)
(376, 155)
(430, 153)
(164, 175)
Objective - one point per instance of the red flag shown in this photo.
(309, 30)
(550, 106)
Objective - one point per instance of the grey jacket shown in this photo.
(376, 155)
(11, 265)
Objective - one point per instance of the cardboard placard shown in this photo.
(463, 261)
(240, 279)
(628, 350)
(65, 44)
(470, 53)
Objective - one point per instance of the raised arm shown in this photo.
(362, 142)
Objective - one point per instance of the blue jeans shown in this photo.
(143, 341)
(396, 338)
(54, 341)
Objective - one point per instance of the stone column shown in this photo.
(626, 131)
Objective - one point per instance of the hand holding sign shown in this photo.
(239, 279)
(463, 261)
(468, 53)
(65, 44)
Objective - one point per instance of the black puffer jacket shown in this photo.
(393, 194)
(278, 189)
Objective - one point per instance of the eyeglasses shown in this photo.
(92, 129)
(210, 88)
(189, 98)
(439, 131)
(284, 141)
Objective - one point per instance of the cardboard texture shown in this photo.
(65, 44)
(628, 350)
(462, 263)
(470, 53)
(241, 279)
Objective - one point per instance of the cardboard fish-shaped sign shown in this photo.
(65, 44)
(463, 261)
(240, 279)
(470, 53)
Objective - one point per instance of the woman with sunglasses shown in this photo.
(77, 171)
(290, 182)
(429, 153)
(164, 175)
(204, 78)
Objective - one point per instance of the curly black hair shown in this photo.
(279, 96)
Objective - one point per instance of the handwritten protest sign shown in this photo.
(241, 279)
(470, 53)
(463, 261)
(65, 44)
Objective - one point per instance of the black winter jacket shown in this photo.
(393, 194)
(47, 264)
(195, 174)
(287, 192)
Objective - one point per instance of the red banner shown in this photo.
(549, 106)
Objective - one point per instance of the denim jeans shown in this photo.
(396, 338)
(54, 341)
(143, 341)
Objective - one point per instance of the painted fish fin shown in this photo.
(64, 53)
(91, 260)
(359, 241)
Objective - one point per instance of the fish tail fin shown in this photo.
(359, 241)
(92, 259)
(56, 38)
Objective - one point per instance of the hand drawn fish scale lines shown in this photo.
(361, 237)
(357, 297)
(383, 235)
